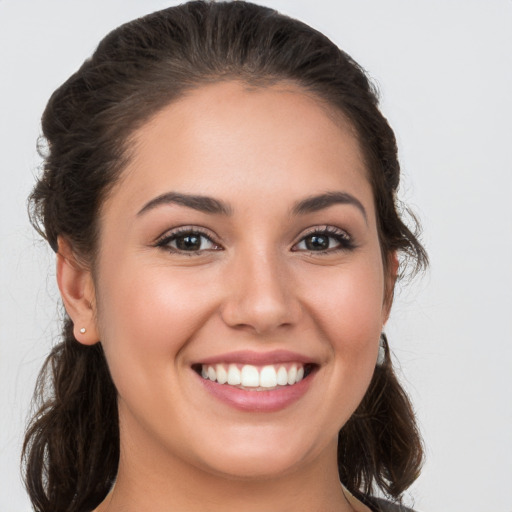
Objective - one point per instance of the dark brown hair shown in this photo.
(71, 448)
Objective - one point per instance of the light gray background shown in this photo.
(445, 74)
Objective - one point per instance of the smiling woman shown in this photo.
(220, 192)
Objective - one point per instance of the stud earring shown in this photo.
(383, 343)
(83, 330)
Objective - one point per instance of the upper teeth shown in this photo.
(251, 376)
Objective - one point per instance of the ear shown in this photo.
(389, 283)
(77, 290)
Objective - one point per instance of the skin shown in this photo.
(254, 287)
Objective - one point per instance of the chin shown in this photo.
(258, 467)
(261, 457)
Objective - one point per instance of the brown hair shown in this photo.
(71, 449)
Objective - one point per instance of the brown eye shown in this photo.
(325, 240)
(317, 242)
(187, 241)
(190, 242)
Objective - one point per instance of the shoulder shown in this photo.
(380, 505)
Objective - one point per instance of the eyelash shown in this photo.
(342, 238)
(165, 241)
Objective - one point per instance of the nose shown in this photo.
(260, 294)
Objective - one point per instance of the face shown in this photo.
(239, 284)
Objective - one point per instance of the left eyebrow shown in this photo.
(203, 204)
(321, 201)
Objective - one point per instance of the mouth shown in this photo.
(250, 377)
(257, 382)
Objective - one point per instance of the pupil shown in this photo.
(189, 243)
(317, 242)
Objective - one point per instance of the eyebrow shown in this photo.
(321, 201)
(201, 203)
(210, 205)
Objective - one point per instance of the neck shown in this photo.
(166, 484)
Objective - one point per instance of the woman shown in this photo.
(219, 188)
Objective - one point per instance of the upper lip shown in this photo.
(258, 358)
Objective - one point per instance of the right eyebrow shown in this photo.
(321, 201)
(203, 204)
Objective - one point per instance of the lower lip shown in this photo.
(258, 401)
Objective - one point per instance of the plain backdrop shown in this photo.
(445, 75)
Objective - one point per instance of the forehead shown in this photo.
(227, 138)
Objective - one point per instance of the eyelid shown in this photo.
(345, 239)
(169, 234)
(324, 229)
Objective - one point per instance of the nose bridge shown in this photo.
(260, 294)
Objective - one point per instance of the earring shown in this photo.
(383, 345)
(83, 330)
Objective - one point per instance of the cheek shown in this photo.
(146, 316)
(347, 304)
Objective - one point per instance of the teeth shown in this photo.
(292, 375)
(268, 377)
(222, 374)
(234, 377)
(282, 376)
(250, 376)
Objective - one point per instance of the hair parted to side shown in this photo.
(71, 449)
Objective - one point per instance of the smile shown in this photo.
(257, 382)
(256, 378)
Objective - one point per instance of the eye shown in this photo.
(187, 240)
(326, 239)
